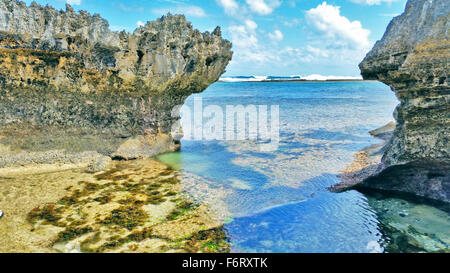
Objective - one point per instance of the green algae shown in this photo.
(181, 209)
(132, 207)
(171, 159)
(48, 214)
(104, 199)
(209, 241)
(72, 232)
(127, 217)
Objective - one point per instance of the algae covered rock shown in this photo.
(131, 206)
(413, 59)
(73, 84)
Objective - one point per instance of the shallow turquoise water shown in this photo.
(278, 201)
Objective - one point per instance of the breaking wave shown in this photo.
(313, 77)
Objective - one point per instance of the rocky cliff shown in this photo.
(413, 59)
(68, 84)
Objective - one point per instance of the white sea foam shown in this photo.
(317, 77)
(313, 77)
(244, 79)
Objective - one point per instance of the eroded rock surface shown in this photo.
(413, 58)
(67, 82)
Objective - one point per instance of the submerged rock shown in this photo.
(413, 59)
(67, 82)
(411, 224)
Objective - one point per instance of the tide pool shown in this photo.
(278, 201)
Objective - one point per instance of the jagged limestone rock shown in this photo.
(413, 59)
(67, 82)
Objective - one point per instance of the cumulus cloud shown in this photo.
(276, 36)
(303, 55)
(333, 39)
(251, 25)
(320, 56)
(291, 22)
(246, 45)
(128, 8)
(373, 2)
(74, 2)
(231, 7)
(140, 23)
(339, 30)
(317, 52)
(193, 11)
(263, 7)
(243, 37)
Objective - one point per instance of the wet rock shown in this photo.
(403, 214)
(145, 146)
(412, 224)
(386, 132)
(99, 164)
(412, 58)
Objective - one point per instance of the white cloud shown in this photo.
(261, 7)
(231, 7)
(246, 45)
(320, 56)
(74, 2)
(251, 25)
(297, 55)
(292, 22)
(372, 2)
(389, 14)
(128, 8)
(140, 23)
(243, 37)
(317, 51)
(276, 36)
(334, 40)
(193, 11)
(341, 32)
(121, 28)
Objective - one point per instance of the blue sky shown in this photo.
(270, 37)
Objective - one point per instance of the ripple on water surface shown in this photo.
(278, 201)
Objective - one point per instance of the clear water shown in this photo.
(278, 201)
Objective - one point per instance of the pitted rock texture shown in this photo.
(71, 83)
(413, 58)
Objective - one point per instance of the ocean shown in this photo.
(277, 201)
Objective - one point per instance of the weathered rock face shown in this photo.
(413, 58)
(69, 83)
